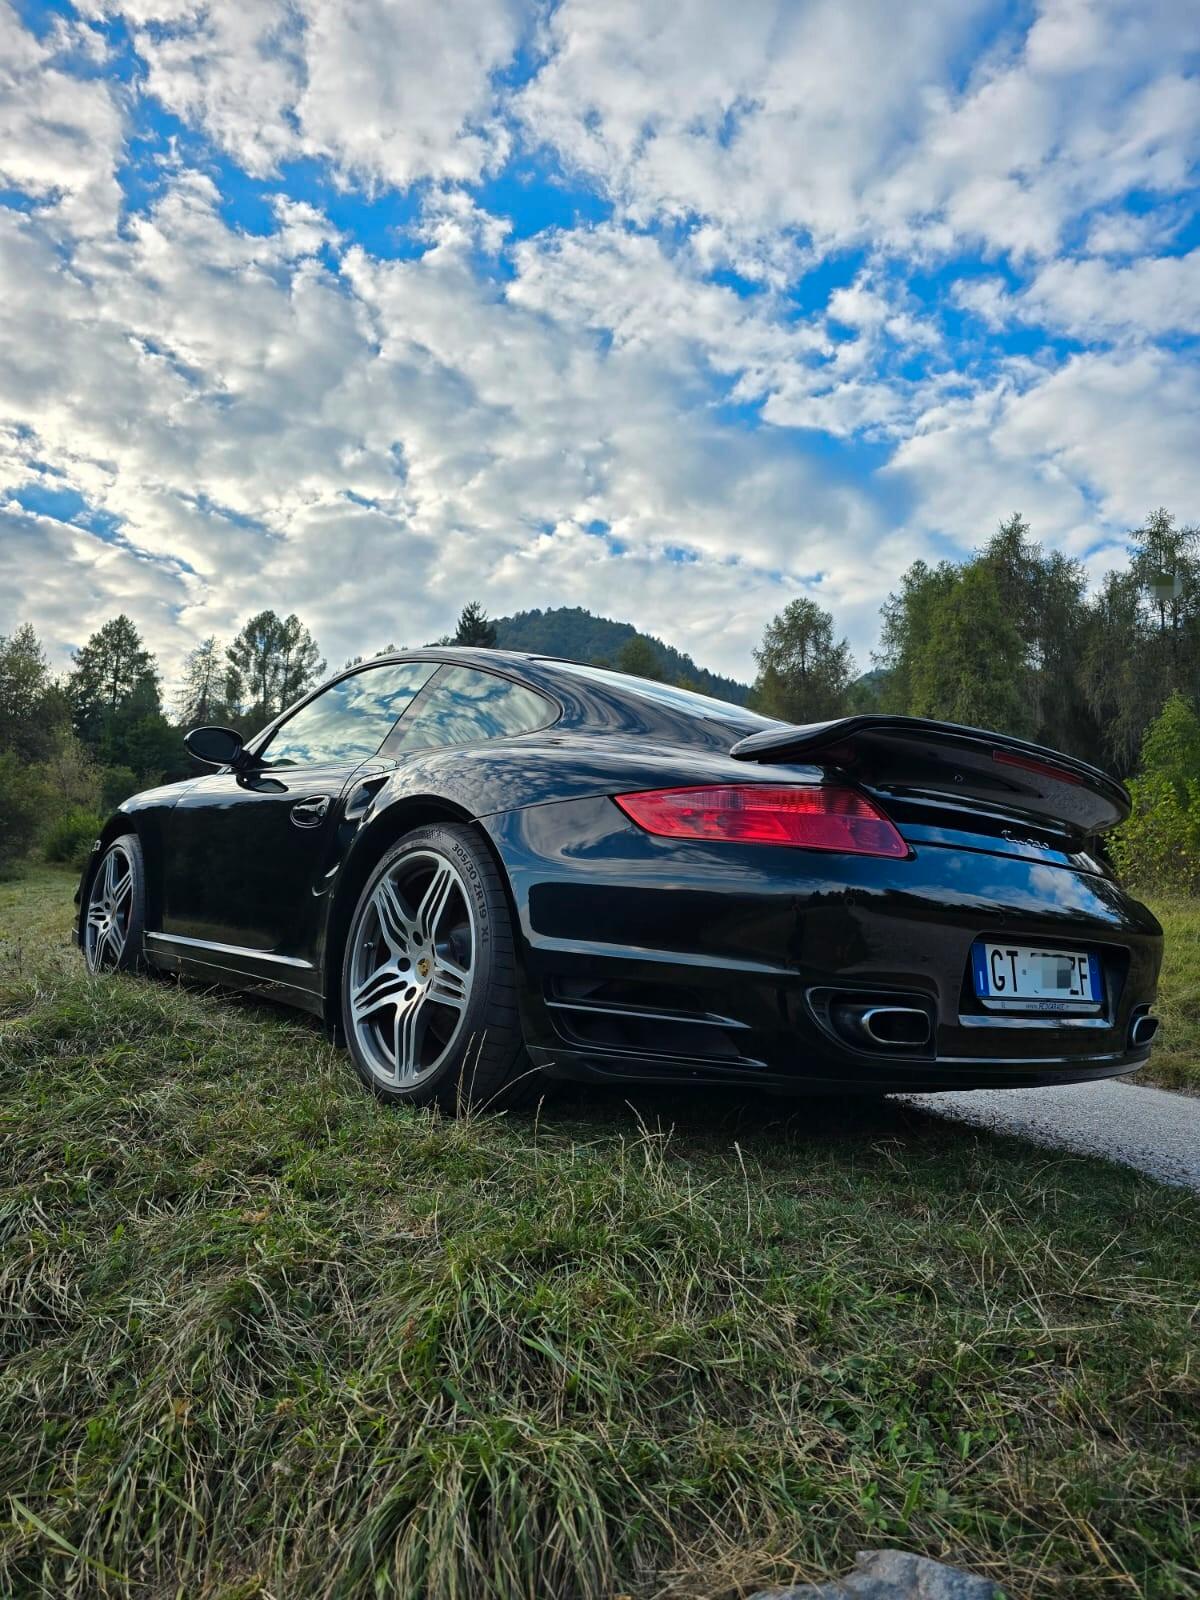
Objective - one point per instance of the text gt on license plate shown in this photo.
(1039, 979)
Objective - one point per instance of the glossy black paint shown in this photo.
(657, 958)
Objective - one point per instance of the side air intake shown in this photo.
(622, 1017)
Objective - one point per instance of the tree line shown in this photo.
(1009, 639)
(73, 748)
(1012, 640)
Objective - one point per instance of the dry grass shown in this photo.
(264, 1338)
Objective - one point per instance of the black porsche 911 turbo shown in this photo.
(476, 866)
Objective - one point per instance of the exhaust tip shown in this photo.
(877, 1025)
(897, 1025)
(1142, 1029)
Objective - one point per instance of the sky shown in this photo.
(674, 309)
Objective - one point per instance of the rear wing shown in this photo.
(941, 758)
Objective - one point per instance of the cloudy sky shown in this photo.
(675, 309)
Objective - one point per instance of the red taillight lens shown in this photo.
(1009, 758)
(815, 818)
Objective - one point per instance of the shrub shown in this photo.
(71, 838)
(116, 784)
(72, 776)
(24, 798)
(1159, 847)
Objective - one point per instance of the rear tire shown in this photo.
(429, 976)
(115, 919)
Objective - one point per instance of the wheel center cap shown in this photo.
(424, 966)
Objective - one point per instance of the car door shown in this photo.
(248, 852)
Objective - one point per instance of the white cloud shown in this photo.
(766, 116)
(71, 581)
(374, 446)
(1082, 451)
(1092, 299)
(592, 415)
(1129, 233)
(388, 90)
(988, 298)
(845, 121)
(1121, 426)
(1089, 109)
(59, 136)
(640, 296)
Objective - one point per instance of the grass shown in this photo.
(264, 1338)
(1175, 1063)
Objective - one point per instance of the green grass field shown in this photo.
(264, 1338)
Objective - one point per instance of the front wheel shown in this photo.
(429, 1004)
(116, 908)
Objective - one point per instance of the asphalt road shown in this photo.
(1150, 1129)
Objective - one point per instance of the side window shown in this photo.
(350, 720)
(466, 707)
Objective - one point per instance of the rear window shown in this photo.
(666, 694)
(463, 706)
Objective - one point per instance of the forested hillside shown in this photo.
(575, 633)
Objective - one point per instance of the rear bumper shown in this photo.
(662, 960)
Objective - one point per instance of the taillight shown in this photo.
(1009, 758)
(815, 818)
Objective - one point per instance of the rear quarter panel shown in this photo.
(762, 924)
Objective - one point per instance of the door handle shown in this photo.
(307, 813)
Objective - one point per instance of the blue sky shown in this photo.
(671, 310)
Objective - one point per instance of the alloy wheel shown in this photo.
(411, 969)
(110, 910)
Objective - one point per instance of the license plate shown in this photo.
(1036, 979)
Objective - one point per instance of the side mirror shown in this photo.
(216, 747)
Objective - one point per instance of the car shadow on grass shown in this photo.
(738, 1113)
(716, 1115)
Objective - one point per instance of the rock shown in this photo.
(893, 1575)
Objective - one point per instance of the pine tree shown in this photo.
(253, 658)
(1044, 596)
(114, 680)
(803, 673)
(973, 667)
(474, 627)
(1143, 637)
(203, 697)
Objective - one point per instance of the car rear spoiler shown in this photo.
(941, 758)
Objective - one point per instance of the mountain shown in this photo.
(866, 692)
(575, 633)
